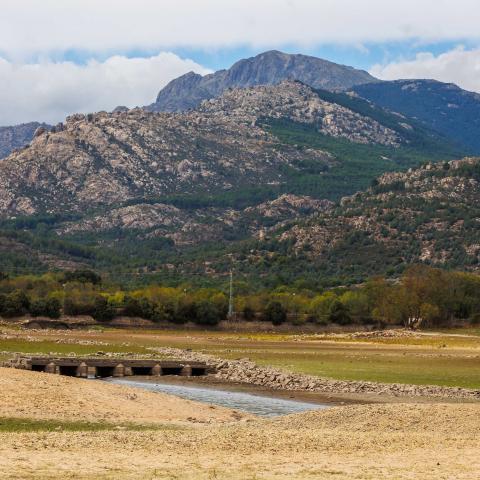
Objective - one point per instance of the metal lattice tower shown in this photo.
(230, 303)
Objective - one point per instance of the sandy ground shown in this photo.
(46, 396)
(394, 442)
(353, 442)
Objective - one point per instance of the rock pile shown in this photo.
(246, 371)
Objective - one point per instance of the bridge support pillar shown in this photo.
(186, 371)
(51, 368)
(156, 371)
(127, 371)
(119, 370)
(82, 370)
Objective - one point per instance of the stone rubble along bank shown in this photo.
(246, 371)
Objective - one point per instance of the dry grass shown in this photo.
(431, 358)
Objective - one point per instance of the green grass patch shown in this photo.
(16, 425)
(396, 367)
(431, 360)
(436, 359)
(48, 346)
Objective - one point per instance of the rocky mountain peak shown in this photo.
(300, 103)
(268, 68)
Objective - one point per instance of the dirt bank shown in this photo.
(322, 398)
(46, 396)
(427, 442)
(246, 371)
(361, 442)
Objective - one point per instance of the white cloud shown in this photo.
(49, 91)
(458, 66)
(34, 33)
(30, 27)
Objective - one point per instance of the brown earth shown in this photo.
(356, 442)
(363, 442)
(45, 396)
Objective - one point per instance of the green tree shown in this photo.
(320, 306)
(49, 307)
(16, 304)
(356, 302)
(275, 313)
(103, 311)
(339, 313)
(208, 313)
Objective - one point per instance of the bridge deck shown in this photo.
(108, 367)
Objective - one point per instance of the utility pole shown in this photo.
(230, 303)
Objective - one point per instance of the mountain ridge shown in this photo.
(224, 145)
(443, 107)
(268, 68)
(175, 194)
(18, 136)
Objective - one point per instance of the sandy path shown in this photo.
(46, 396)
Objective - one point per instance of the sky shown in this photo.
(59, 57)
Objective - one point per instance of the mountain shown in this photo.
(183, 227)
(178, 194)
(104, 159)
(269, 68)
(286, 138)
(18, 136)
(443, 107)
(426, 215)
(132, 189)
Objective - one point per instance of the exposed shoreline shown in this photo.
(246, 372)
(320, 398)
(38, 395)
(169, 437)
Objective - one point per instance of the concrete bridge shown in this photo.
(84, 367)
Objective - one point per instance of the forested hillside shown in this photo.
(443, 107)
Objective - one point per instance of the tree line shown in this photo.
(420, 296)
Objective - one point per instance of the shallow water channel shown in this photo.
(257, 404)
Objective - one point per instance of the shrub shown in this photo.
(103, 311)
(132, 307)
(74, 307)
(186, 312)
(49, 307)
(208, 313)
(475, 319)
(275, 313)
(83, 276)
(15, 304)
(248, 313)
(162, 313)
(339, 313)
